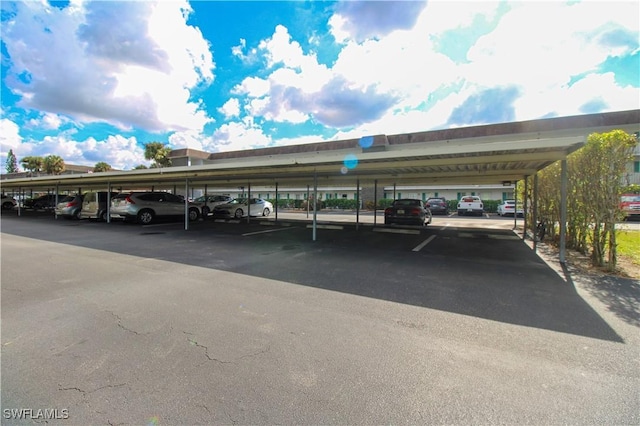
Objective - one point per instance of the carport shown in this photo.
(489, 154)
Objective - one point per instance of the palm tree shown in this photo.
(33, 164)
(54, 164)
(101, 166)
(158, 153)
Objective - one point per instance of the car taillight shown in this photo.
(129, 200)
(72, 204)
(416, 210)
(388, 210)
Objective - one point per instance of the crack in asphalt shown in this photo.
(87, 392)
(125, 328)
(193, 342)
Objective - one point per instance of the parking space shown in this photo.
(255, 323)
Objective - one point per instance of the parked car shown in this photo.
(507, 207)
(208, 203)
(94, 205)
(407, 211)
(630, 205)
(437, 205)
(69, 207)
(7, 202)
(145, 207)
(238, 208)
(470, 204)
(47, 201)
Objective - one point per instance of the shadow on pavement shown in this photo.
(496, 277)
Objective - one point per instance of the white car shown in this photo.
(239, 208)
(8, 202)
(208, 203)
(507, 207)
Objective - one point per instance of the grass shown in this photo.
(629, 245)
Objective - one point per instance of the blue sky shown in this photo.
(95, 81)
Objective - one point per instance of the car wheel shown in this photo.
(193, 214)
(459, 212)
(76, 216)
(266, 212)
(145, 217)
(102, 217)
(238, 214)
(205, 212)
(7, 206)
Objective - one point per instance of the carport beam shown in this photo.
(315, 205)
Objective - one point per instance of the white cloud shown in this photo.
(9, 135)
(231, 108)
(110, 58)
(238, 135)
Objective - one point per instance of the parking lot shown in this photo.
(255, 323)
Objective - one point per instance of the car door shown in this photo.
(172, 205)
(256, 206)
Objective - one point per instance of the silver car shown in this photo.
(206, 204)
(69, 207)
(238, 208)
(145, 207)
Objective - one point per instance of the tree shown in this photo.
(101, 166)
(33, 164)
(593, 195)
(158, 153)
(140, 167)
(54, 165)
(12, 162)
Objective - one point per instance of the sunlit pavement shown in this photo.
(124, 324)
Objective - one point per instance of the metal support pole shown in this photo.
(20, 201)
(375, 201)
(108, 202)
(525, 206)
(276, 204)
(563, 210)
(315, 210)
(57, 201)
(357, 203)
(394, 190)
(535, 211)
(249, 202)
(515, 205)
(308, 203)
(186, 203)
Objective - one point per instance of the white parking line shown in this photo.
(268, 230)
(424, 243)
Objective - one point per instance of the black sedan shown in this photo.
(407, 211)
(437, 205)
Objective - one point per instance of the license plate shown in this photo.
(469, 210)
(400, 211)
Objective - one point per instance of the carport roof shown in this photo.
(487, 154)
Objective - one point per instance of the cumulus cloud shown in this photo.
(109, 60)
(361, 20)
(9, 135)
(239, 135)
(231, 108)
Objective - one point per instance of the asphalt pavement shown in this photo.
(254, 323)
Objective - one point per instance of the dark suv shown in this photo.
(437, 205)
(46, 202)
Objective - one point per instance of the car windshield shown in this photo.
(66, 199)
(630, 198)
(399, 203)
(238, 201)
